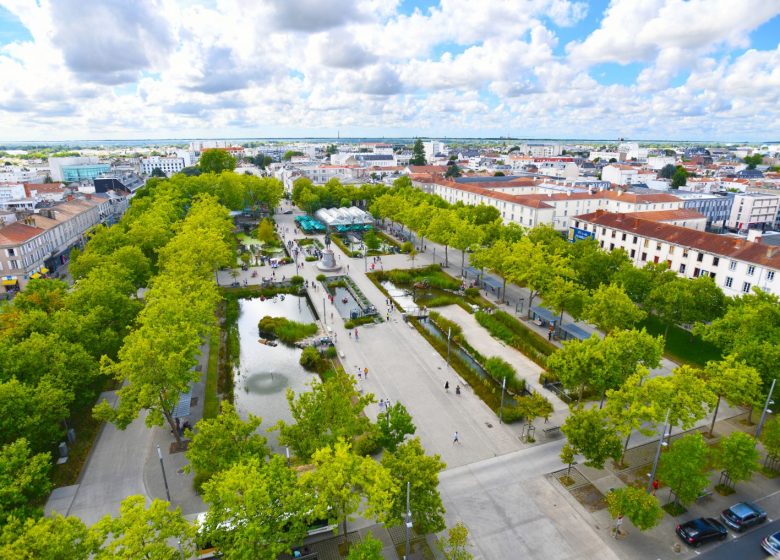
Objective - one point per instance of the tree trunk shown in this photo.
(503, 290)
(463, 263)
(346, 541)
(714, 416)
(531, 296)
(172, 423)
(666, 332)
(603, 396)
(446, 257)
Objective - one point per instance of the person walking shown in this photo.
(447, 386)
(457, 389)
(356, 334)
(365, 373)
(456, 439)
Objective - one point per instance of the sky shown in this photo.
(635, 69)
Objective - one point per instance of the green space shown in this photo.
(210, 397)
(286, 330)
(681, 345)
(517, 335)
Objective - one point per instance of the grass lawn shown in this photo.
(681, 345)
(210, 399)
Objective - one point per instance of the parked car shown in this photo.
(743, 515)
(772, 544)
(701, 530)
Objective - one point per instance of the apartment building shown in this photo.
(626, 174)
(753, 210)
(736, 265)
(168, 165)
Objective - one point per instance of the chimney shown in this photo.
(754, 235)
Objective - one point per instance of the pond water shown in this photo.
(402, 296)
(265, 372)
(346, 308)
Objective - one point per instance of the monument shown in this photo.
(328, 261)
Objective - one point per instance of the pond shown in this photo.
(266, 372)
(402, 296)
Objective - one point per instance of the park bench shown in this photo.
(552, 430)
(704, 494)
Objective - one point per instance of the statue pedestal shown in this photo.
(328, 262)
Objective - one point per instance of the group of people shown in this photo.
(447, 387)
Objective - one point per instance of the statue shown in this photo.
(327, 239)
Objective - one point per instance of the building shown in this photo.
(198, 146)
(716, 207)
(75, 173)
(168, 165)
(626, 174)
(542, 150)
(56, 165)
(736, 265)
(752, 210)
(323, 173)
(433, 148)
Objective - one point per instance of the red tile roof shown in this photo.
(43, 188)
(732, 247)
(669, 215)
(17, 232)
(428, 168)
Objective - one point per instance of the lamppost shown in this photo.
(324, 318)
(165, 479)
(501, 408)
(408, 520)
(661, 443)
(766, 408)
(449, 336)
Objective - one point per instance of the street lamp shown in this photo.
(165, 479)
(408, 520)
(501, 408)
(661, 443)
(766, 408)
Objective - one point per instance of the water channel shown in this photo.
(266, 372)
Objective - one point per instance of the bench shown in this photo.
(551, 430)
(704, 494)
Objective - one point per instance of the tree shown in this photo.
(371, 240)
(630, 409)
(221, 442)
(409, 463)
(464, 237)
(47, 538)
(418, 153)
(683, 468)
(533, 406)
(667, 171)
(343, 481)
(593, 267)
(138, 532)
(733, 379)
(684, 393)
(496, 259)
(191, 171)
(534, 265)
(367, 549)
(157, 172)
(641, 508)
(611, 309)
(216, 160)
(680, 178)
(24, 480)
(590, 434)
(750, 330)
(753, 160)
(565, 295)
(622, 351)
(393, 425)
(266, 508)
(577, 363)
(332, 409)
(639, 282)
(33, 412)
(682, 301)
(737, 456)
(289, 154)
(454, 545)
(452, 170)
(441, 229)
(770, 437)
(266, 232)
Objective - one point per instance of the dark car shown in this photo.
(701, 530)
(743, 515)
(772, 544)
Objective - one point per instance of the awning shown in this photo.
(44, 270)
(473, 272)
(35, 275)
(182, 409)
(575, 332)
(494, 283)
(544, 314)
(9, 282)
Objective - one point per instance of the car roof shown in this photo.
(744, 508)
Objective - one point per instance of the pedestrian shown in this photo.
(356, 334)
(457, 389)
(350, 334)
(178, 426)
(365, 373)
(347, 268)
(549, 335)
(447, 386)
(655, 486)
(455, 438)
(335, 337)
(381, 403)
(360, 375)
(331, 316)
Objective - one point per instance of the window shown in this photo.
(623, 237)
(671, 249)
(633, 253)
(635, 239)
(729, 281)
(644, 257)
(770, 275)
(646, 243)
(603, 231)
(685, 253)
(733, 265)
(746, 287)
(611, 246)
(11, 252)
(712, 275)
(715, 261)
(700, 257)
(695, 272)
(751, 270)
(657, 246)
(613, 234)
(682, 269)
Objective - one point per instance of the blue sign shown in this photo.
(577, 234)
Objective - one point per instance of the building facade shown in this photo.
(168, 165)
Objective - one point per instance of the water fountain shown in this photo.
(328, 261)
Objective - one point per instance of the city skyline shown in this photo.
(666, 69)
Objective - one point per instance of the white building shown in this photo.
(433, 147)
(606, 156)
(200, 145)
(753, 211)
(169, 165)
(659, 162)
(633, 151)
(57, 163)
(541, 150)
(626, 174)
(736, 265)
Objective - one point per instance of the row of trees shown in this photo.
(332, 194)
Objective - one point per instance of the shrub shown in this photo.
(472, 292)
(330, 352)
(321, 277)
(310, 358)
(296, 280)
(406, 247)
(311, 258)
(367, 443)
(285, 330)
(399, 277)
(441, 301)
(352, 323)
(511, 413)
(500, 369)
(446, 325)
(505, 327)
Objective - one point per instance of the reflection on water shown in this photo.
(266, 372)
(402, 297)
(346, 308)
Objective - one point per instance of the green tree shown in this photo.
(157, 172)
(266, 232)
(24, 480)
(565, 295)
(735, 381)
(590, 434)
(770, 437)
(684, 393)
(750, 330)
(216, 160)
(455, 545)
(418, 153)
(409, 463)
(736, 455)
(289, 154)
(219, 443)
(639, 282)
(683, 468)
(611, 309)
(343, 481)
(371, 240)
(47, 538)
(680, 178)
(630, 409)
(534, 265)
(332, 409)
(452, 171)
(682, 301)
(667, 171)
(263, 506)
(393, 425)
(753, 160)
(138, 532)
(533, 406)
(33, 412)
(622, 351)
(441, 229)
(593, 267)
(367, 549)
(496, 259)
(641, 508)
(577, 363)
(464, 237)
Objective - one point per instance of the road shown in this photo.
(743, 547)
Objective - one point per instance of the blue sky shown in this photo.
(659, 69)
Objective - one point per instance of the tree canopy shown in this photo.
(216, 160)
